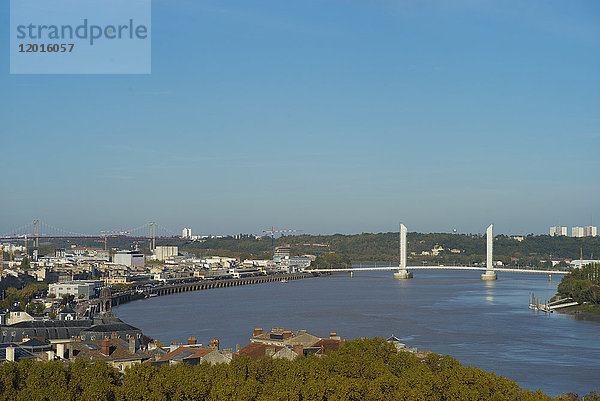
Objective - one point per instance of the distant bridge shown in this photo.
(404, 271)
(37, 230)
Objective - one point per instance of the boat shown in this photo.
(283, 280)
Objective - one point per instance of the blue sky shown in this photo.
(326, 116)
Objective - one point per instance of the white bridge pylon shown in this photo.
(489, 252)
(402, 272)
(489, 274)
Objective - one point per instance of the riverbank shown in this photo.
(586, 312)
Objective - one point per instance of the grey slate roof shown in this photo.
(110, 328)
(65, 329)
(34, 324)
(20, 353)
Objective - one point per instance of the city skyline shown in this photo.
(145, 230)
(323, 116)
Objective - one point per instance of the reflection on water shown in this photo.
(489, 293)
(482, 323)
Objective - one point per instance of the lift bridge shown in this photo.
(403, 271)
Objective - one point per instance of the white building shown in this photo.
(186, 233)
(590, 231)
(129, 258)
(295, 263)
(281, 252)
(577, 232)
(165, 252)
(19, 316)
(576, 264)
(558, 230)
(87, 288)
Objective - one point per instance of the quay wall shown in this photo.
(122, 297)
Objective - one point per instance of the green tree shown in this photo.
(333, 261)
(25, 263)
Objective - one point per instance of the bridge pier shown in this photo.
(489, 275)
(402, 273)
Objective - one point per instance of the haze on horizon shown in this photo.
(322, 115)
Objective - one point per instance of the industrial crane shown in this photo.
(273, 231)
(107, 234)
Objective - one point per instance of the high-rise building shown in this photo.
(590, 231)
(186, 233)
(577, 232)
(129, 258)
(281, 252)
(557, 231)
(165, 252)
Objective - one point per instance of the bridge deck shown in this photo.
(478, 268)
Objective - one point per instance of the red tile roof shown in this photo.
(327, 344)
(256, 350)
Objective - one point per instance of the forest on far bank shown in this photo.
(534, 250)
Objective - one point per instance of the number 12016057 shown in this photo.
(46, 48)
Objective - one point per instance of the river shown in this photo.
(486, 324)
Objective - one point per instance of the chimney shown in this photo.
(214, 343)
(60, 350)
(191, 340)
(237, 348)
(50, 355)
(257, 331)
(299, 349)
(132, 345)
(105, 347)
(10, 354)
(287, 334)
(333, 336)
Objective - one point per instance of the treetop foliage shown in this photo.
(365, 369)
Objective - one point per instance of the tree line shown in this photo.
(384, 247)
(583, 285)
(363, 369)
